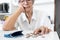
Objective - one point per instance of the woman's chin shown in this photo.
(28, 8)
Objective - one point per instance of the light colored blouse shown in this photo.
(38, 19)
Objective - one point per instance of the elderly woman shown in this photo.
(27, 18)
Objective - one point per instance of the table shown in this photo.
(50, 36)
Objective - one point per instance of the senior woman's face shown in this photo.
(27, 4)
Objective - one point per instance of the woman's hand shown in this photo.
(42, 30)
(21, 8)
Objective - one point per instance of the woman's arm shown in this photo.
(10, 22)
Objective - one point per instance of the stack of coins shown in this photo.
(32, 35)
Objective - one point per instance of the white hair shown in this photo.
(32, 1)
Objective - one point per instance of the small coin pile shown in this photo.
(32, 35)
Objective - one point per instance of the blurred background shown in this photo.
(57, 13)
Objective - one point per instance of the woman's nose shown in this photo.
(25, 2)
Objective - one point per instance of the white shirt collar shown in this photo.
(25, 19)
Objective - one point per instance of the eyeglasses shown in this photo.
(25, 0)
